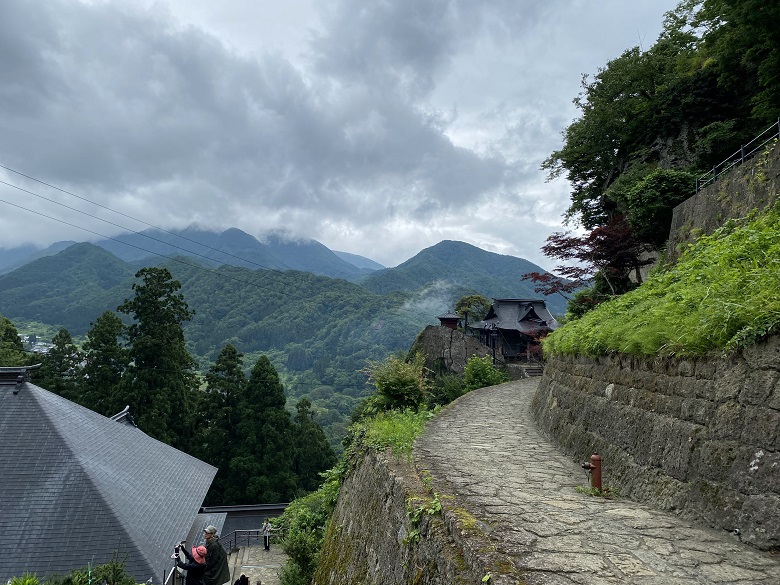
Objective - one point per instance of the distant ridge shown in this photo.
(232, 247)
(465, 267)
(359, 261)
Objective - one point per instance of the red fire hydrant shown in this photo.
(594, 468)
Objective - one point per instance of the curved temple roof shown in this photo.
(527, 316)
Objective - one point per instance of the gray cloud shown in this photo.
(402, 123)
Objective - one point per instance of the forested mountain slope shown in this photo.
(320, 332)
(464, 268)
(69, 289)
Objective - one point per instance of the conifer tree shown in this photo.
(160, 385)
(216, 436)
(106, 363)
(11, 348)
(264, 461)
(313, 453)
(60, 370)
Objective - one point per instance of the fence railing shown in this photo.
(745, 152)
(239, 538)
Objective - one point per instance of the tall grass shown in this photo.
(723, 293)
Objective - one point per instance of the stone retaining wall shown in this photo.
(752, 186)
(697, 436)
(371, 539)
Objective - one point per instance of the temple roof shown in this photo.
(527, 316)
(79, 486)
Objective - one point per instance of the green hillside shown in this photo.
(69, 289)
(722, 294)
(466, 269)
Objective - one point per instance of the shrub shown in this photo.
(26, 579)
(481, 372)
(446, 388)
(399, 383)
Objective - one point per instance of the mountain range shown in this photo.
(319, 331)
(232, 246)
(451, 268)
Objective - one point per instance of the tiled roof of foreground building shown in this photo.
(78, 486)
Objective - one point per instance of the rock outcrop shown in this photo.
(447, 350)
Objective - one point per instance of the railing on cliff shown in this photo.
(745, 152)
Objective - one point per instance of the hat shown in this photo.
(199, 554)
(210, 529)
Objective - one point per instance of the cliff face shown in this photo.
(381, 533)
(447, 350)
(698, 436)
(752, 186)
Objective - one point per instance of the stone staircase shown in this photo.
(520, 371)
(260, 566)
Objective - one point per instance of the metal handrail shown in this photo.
(237, 537)
(745, 152)
(245, 537)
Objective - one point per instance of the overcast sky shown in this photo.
(376, 127)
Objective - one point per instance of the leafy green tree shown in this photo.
(60, 370)
(106, 362)
(160, 384)
(475, 307)
(313, 453)
(481, 372)
(11, 348)
(743, 36)
(399, 383)
(650, 202)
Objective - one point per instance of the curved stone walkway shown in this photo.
(487, 451)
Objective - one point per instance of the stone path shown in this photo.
(486, 449)
(257, 564)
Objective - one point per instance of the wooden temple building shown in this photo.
(513, 328)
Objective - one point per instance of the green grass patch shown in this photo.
(396, 429)
(723, 293)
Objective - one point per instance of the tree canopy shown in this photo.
(11, 348)
(161, 383)
(652, 120)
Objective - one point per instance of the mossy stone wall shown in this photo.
(752, 186)
(699, 436)
(371, 540)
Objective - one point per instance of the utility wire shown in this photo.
(174, 259)
(171, 258)
(122, 227)
(124, 215)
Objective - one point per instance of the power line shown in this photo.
(124, 215)
(171, 258)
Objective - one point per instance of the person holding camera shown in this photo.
(195, 565)
(217, 571)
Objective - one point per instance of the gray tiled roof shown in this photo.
(523, 315)
(78, 486)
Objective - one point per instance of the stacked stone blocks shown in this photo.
(700, 436)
